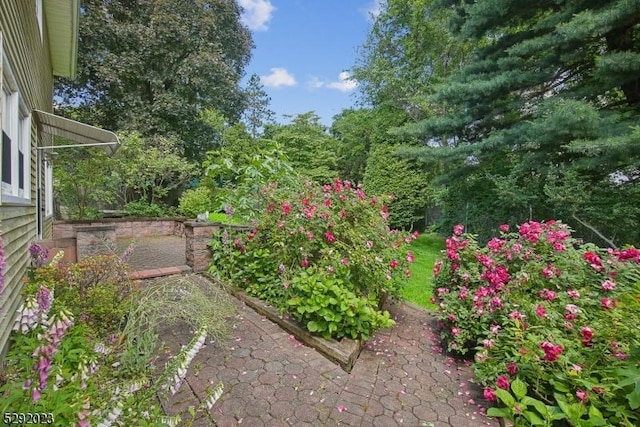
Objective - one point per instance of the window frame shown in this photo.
(16, 124)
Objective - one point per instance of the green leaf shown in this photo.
(533, 418)
(506, 397)
(498, 412)
(313, 326)
(519, 388)
(595, 417)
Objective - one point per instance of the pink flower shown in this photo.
(436, 268)
(488, 343)
(455, 331)
(594, 260)
(551, 351)
(415, 235)
(330, 237)
(540, 311)
(494, 329)
(286, 208)
(587, 335)
(410, 257)
(512, 368)
(502, 382)
(547, 295)
(515, 315)
(489, 394)
(393, 263)
(572, 308)
(304, 263)
(327, 202)
(369, 244)
(341, 408)
(504, 228)
(628, 254)
(608, 285)
(495, 244)
(573, 294)
(608, 303)
(548, 271)
(458, 229)
(345, 261)
(582, 395)
(310, 235)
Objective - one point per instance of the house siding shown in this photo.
(28, 56)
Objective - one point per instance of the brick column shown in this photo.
(197, 237)
(95, 240)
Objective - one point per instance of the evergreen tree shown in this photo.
(546, 112)
(311, 151)
(257, 113)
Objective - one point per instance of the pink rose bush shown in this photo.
(323, 254)
(561, 318)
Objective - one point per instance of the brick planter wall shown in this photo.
(197, 236)
(126, 228)
(95, 240)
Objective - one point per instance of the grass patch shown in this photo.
(419, 290)
(223, 218)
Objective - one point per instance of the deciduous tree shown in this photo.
(153, 66)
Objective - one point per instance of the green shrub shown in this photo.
(334, 229)
(329, 308)
(144, 209)
(196, 201)
(551, 322)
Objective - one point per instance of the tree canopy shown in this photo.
(541, 120)
(152, 66)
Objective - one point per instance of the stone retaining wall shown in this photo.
(125, 228)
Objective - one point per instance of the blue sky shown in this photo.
(303, 49)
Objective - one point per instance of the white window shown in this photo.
(16, 141)
(48, 188)
(39, 16)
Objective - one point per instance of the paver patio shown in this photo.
(270, 379)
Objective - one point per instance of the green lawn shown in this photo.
(419, 290)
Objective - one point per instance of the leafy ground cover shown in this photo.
(419, 288)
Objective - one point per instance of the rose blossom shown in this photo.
(502, 382)
(608, 303)
(608, 285)
(587, 334)
(512, 368)
(489, 394)
(581, 395)
(551, 351)
(540, 311)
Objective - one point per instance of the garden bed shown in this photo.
(344, 352)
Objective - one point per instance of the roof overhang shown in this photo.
(62, 17)
(85, 135)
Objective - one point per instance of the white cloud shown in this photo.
(373, 10)
(256, 13)
(278, 77)
(344, 83)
